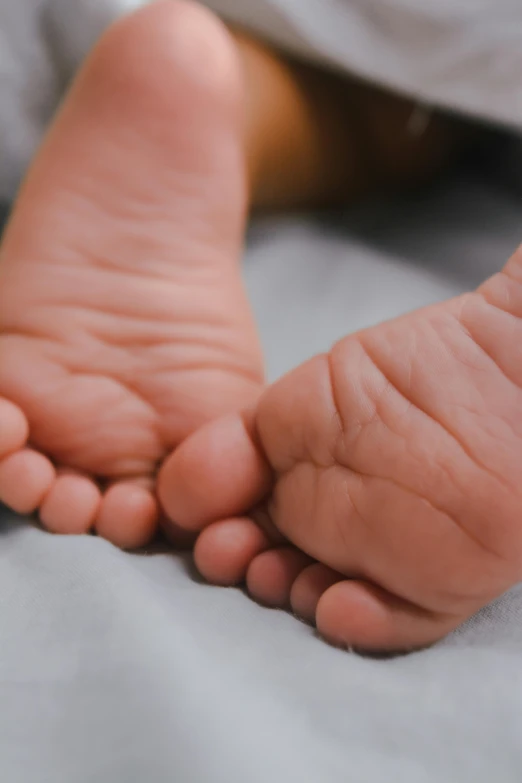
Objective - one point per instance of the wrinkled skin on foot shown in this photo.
(387, 473)
(123, 320)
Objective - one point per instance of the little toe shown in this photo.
(271, 574)
(215, 474)
(14, 429)
(308, 588)
(127, 516)
(367, 618)
(225, 549)
(25, 479)
(71, 505)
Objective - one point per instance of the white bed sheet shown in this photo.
(125, 668)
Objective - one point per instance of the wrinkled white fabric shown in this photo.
(461, 54)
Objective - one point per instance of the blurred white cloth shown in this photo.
(461, 54)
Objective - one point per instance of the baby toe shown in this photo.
(271, 575)
(127, 516)
(25, 479)
(225, 549)
(71, 505)
(308, 588)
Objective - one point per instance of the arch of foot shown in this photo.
(169, 72)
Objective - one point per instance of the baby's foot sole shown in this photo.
(396, 464)
(123, 305)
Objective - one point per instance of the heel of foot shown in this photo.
(164, 47)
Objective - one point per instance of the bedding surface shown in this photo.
(125, 668)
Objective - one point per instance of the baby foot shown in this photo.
(123, 320)
(393, 463)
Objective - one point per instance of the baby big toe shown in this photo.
(215, 474)
(271, 575)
